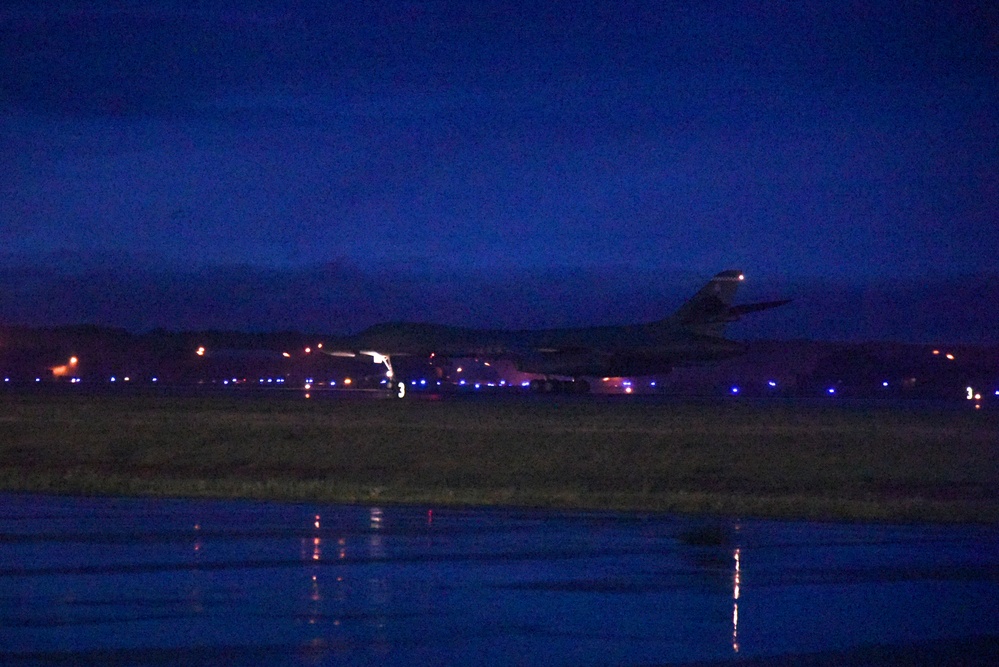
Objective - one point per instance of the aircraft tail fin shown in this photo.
(708, 312)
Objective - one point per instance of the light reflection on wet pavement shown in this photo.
(153, 581)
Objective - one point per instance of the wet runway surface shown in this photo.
(152, 581)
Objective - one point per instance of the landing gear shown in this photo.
(397, 387)
(552, 386)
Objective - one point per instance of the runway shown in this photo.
(155, 581)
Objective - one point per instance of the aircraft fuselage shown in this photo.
(643, 349)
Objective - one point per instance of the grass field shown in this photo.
(740, 458)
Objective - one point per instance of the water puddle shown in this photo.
(152, 581)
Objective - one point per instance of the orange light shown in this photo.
(951, 357)
(936, 351)
(200, 352)
(346, 380)
(308, 350)
(73, 361)
(286, 355)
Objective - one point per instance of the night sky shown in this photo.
(324, 165)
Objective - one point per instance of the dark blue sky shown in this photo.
(325, 164)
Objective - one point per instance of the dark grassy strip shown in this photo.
(767, 459)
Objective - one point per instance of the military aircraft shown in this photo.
(693, 334)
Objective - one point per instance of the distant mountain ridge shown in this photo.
(343, 298)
